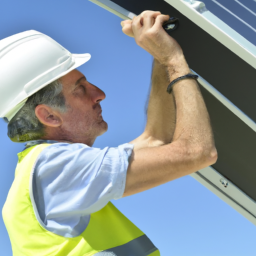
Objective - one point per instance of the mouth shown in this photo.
(100, 111)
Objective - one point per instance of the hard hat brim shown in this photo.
(80, 59)
(77, 60)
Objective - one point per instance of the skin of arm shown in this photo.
(159, 155)
(161, 112)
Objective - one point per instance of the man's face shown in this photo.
(82, 122)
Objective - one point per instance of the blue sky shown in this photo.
(181, 217)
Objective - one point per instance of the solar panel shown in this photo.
(240, 15)
(218, 38)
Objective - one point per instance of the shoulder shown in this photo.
(67, 150)
(64, 156)
(77, 156)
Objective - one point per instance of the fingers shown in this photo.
(149, 34)
(136, 24)
(160, 19)
(148, 18)
(144, 22)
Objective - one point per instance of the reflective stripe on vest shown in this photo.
(109, 232)
(140, 246)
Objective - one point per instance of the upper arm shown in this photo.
(153, 166)
(72, 181)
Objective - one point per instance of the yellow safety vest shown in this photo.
(109, 232)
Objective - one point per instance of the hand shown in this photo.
(127, 27)
(149, 34)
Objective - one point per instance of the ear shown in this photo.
(48, 116)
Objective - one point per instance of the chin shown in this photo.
(103, 127)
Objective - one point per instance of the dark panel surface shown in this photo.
(227, 72)
(236, 144)
(234, 78)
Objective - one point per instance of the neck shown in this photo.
(60, 135)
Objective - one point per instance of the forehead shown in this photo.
(69, 80)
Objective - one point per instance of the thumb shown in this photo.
(127, 27)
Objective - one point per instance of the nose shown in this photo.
(97, 95)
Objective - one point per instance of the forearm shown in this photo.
(192, 129)
(192, 121)
(161, 108)
(193, 126)
(192, 147)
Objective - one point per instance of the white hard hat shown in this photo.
(29, 61)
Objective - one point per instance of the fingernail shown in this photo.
(122, 23)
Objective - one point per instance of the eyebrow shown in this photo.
(79, 80)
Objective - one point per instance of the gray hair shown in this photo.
(25, 126)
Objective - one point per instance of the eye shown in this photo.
(82, 87)
(80, 90)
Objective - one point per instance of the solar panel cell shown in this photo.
(238, 14)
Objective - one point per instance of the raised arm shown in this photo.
(161, 114)
(155, 160)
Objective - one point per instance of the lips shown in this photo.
(99, 113)
(98, 109)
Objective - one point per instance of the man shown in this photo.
(59, 203)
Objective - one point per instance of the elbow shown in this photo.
(197, 156)
(212, 156)
(207, 156)
(201, 156)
